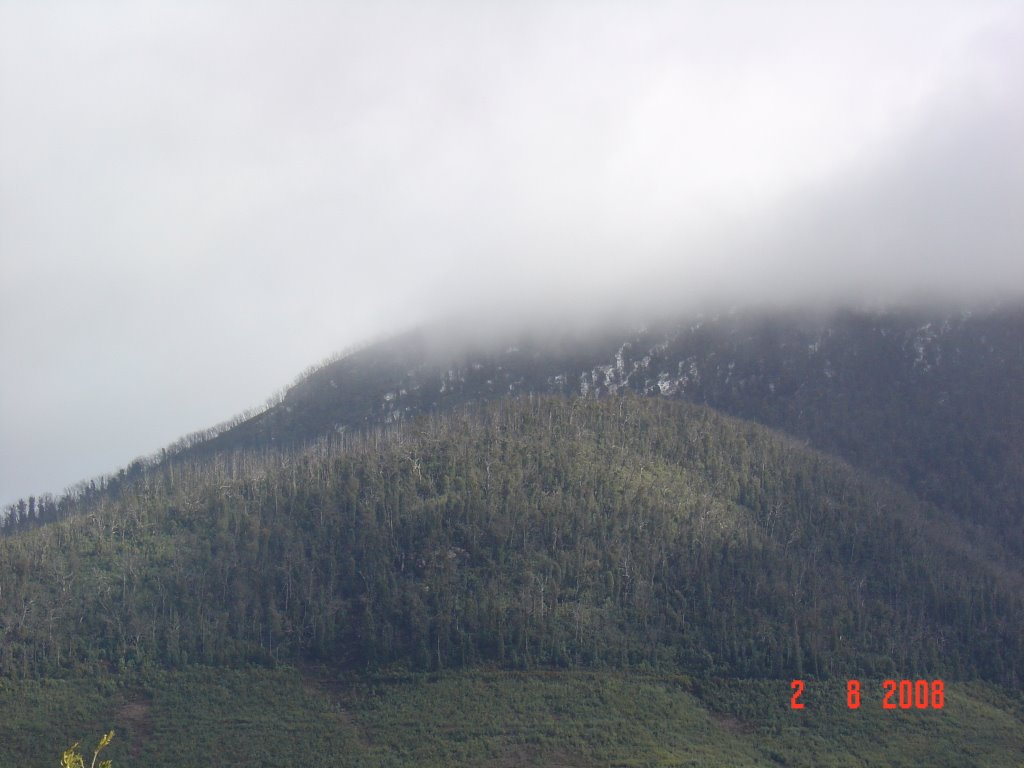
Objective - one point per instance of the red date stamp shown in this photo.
(896, 694)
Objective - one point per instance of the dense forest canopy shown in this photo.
(931, 399)
(534, 531)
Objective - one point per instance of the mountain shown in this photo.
(530, 532)
(456, 548)
(933, 400)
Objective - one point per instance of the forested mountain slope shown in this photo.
(538, 531)
(933, 400)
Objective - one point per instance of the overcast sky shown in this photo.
(200, 199)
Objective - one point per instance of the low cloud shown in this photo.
(199, 200)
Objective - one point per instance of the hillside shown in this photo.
(496, 719)
(535, 532)
(933, 400)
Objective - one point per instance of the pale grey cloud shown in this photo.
(199, 199)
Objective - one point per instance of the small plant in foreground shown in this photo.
(73, 758)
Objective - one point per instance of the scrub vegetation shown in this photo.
(484, 717)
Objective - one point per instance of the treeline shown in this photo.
(31, 512)
(931, 399)
(533, 532)
(26, 514)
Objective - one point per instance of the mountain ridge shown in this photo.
(932, 400)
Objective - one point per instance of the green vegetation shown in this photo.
(201, 716)
(282, 717)
(539, 581)
(73, 757)
(932, 400)
(554, 533)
